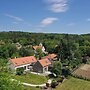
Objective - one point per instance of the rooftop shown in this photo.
(44, 62)
(23, 60)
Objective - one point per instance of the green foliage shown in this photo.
(66, 72)
(26, 52)
(54, 84)
(19, 71)
(31, 78)
(56, 68)
(69, 47)
(3, 64)
(7, 50)
(39, 53)
(50, 45)
(74, 84)
(7, 84)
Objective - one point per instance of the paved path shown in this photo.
(42, 74)
(33, 85)
(40, 85)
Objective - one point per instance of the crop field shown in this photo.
(83, 71)
(74, 84)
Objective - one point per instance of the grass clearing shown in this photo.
(31, 78)
(74, 84)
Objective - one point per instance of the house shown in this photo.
(18, 45)
(52, 57)
(25, 62)
(39, 47)
(42, 66)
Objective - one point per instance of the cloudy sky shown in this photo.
(49, 16)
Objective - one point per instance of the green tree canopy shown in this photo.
(57, 68)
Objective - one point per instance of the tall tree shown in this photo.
(56, 68)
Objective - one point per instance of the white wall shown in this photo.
(23, 66)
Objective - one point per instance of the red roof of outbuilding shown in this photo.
(50, 56)
(36, 47)
(23, 60)
(44, 62)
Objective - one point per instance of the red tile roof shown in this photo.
(44, 62)
(35, 47)
(50, 56)
(23, 60)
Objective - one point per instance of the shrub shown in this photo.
(60, 79)
(54, 84)
(20, 71)
(37, 86)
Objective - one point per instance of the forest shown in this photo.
(70, 48)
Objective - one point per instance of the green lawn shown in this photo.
(31, 88)
(74, 84)
(31, 78)
(88, 62)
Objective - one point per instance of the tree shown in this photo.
(19, 71)
(39, 53)
(66, 72)
(56, 68)
(7, 50)
(54, 84)
(26, 52)
(84, 59)
(24, 41)
(3, 63)
(7, 84)
(50, 45)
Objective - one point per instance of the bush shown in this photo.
(37, 86)
(20, 71)
(54, 84)
(60, 79)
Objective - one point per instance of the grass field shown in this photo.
(74, 84)
(31, 88)
(31, 78)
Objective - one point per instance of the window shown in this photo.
(24, 67)
(45, 68)
(28, 66)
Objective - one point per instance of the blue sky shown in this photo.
(50, 16)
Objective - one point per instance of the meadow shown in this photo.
(74, 84)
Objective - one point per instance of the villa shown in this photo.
(25, 62)
(39, 47)
(30, 63)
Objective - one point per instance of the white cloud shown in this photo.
(15, 22)
(18, 20)
(71, 24)
(57, 6)
(48, 21)
(14, 17)
(88, 19)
